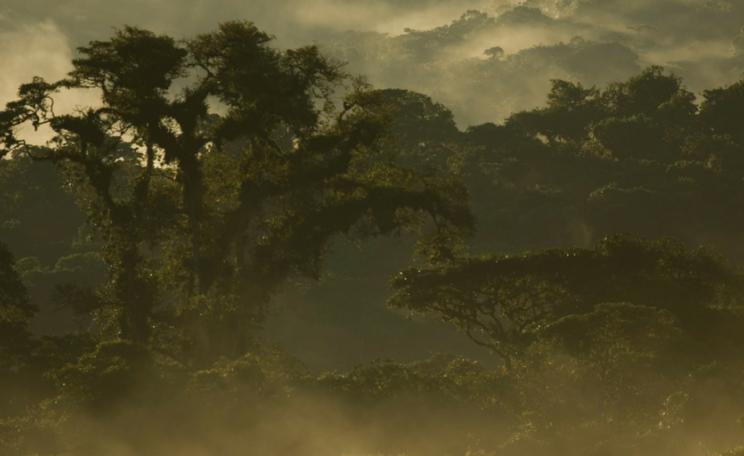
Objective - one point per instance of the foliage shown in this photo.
(192, 205)
(215, 170)
(506, 303)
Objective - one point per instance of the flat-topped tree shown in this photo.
(218, 167)
(508, 303)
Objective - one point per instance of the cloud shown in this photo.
(451, 62)
(434, 46)
(591, 41)
(385, 16)
(30, 50)
(38, 49)
(83, 20)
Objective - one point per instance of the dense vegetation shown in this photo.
(146, 240)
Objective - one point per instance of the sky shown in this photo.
(438, 47)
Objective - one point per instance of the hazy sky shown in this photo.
(431, 46)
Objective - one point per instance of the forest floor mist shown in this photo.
(442, 406)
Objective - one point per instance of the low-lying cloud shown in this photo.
(432, 46)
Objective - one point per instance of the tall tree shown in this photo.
(218, 167)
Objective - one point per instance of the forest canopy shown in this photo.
(148, 236)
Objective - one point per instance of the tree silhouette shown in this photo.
(215, 168)
(507, 303)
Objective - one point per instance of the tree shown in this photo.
(649, 116)
(508, 303)
(651, 93)
(15, 338)
(421, 134)
(15, 310)
(569, 115)
(721, 111)
(642, 118)
(220, 167)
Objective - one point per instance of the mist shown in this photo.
(426, 227)
(428, 45)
